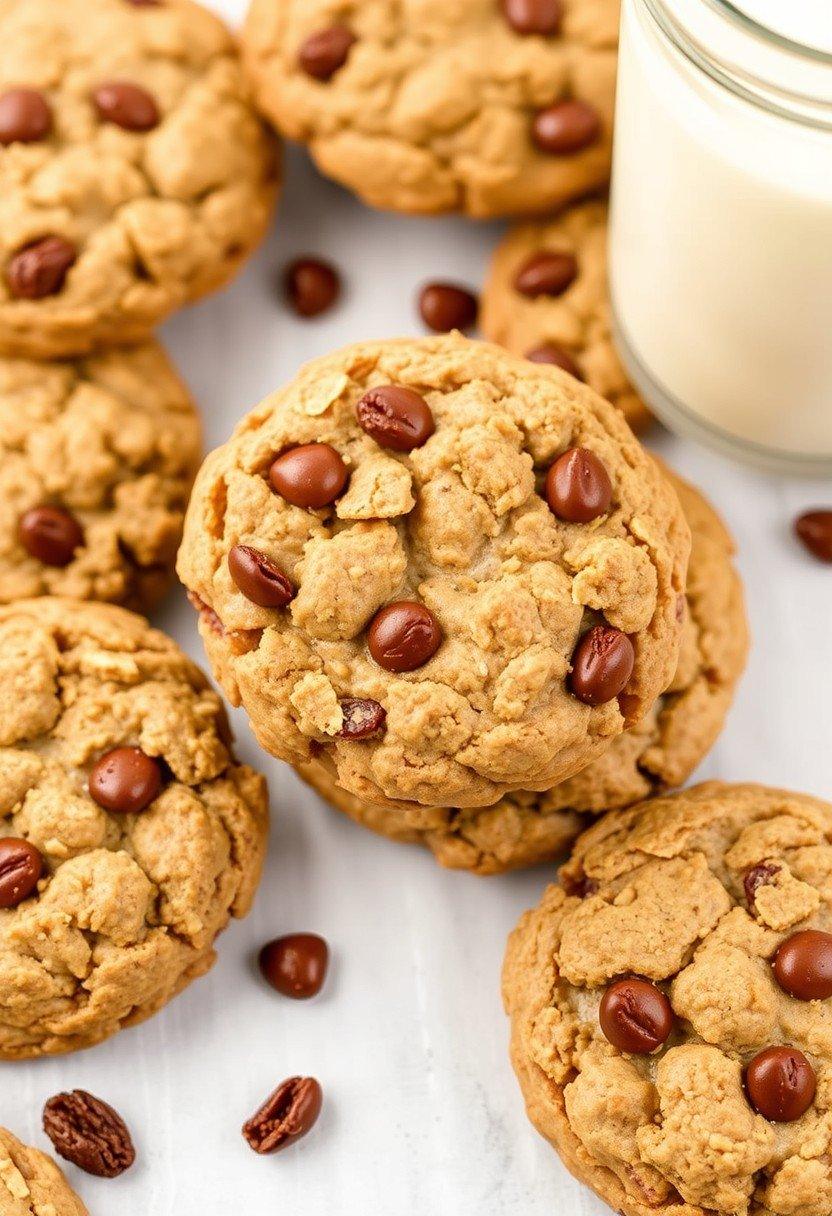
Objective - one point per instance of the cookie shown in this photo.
(97, 458)
(659, 753)
(134, 175)
(546, 298)
(669, 1002)
(490, 107)
(385, 588)
(131, 834)
(31, 1183)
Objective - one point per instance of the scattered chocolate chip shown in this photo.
(127, 105)
(578, 487)
(546, 274)
(40, 268)
(403, 636)
(296, 965)
(814, 528)
(601, 665)
(322, 54)
(89, 1133)
(259, 578)
(566, 128)
(363, 717)
(21, 866)
(444, 306)
(311, 286)
(125, 780)
(803, 965)
(25, 116)
(757, 876)
(290, 1112)
(780, 1083)
(51, 535)
(311, 476)
(548, 352)
(534, 16)
(635, 1016)
(397, 418)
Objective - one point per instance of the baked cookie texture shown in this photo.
(434, 108)
(129, 905)
(115, 441)
(694, 893)
(160, 202)
(574, 321)
(457, 524)
(31, 1184)
(661, 752)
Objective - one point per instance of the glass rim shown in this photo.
(766, 34)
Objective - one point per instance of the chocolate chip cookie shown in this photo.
(490, 107)
(31, 1183)
(440, 571)
(134, 174)
(131, 832)
(669, 1002)
(97, 457)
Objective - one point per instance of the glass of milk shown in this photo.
(721, 222)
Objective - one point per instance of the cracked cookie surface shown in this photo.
(693, 893)
(31, 1184)
(459, 525)
(140, 160)
(434, 106)
(129, 902)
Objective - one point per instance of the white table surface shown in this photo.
(422, 1114)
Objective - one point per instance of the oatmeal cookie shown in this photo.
(31, 1183)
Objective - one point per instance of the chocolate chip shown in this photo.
(322, 54)
(635, 1016)
(290, 1112)
(311, 476)
(566, 128)
(145, 3)
(757, 876)
(363, 717)
(89, 1133)
(780, 1083)
(259, 578)
(814, 528)
(803, 965)
(444, 306)
(403, 636)
(127, 105)
(206, 613)
(295, 965)
(601, 665)
(397, 418)
(125, 780)
(51, 535)
(534, 16)
(578, 487)
(311, 286)
(40, 268)
(546, 274)
(21, 866)
(579, 887)
(25, 116)
(548, 352)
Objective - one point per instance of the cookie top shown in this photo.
(134, 175)
(546, 298)
(97, 458)
(662, 751)
(481, 106)
(386, 589)
(131, 833)
(670, 1005)
(31, 1183)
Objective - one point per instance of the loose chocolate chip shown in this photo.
(125, 780)
(566, 128)
(21, 866)
(444, 306)
(296, 965)
(89, 1133)
(803, 965)
(322, 54)
(290, 1112)
(534, 16)
(259, 578)
(548, 352)
(310, 476)
(814, 528)
(403, 636)
(601, 665)
(635, 1016)
(40, 268)
(363, 717)
(311, 286)
(546, 274)
(51, 535)
(127, 105)
(780, 1083)
(25, 116)
(757, 876)
(578, 487)
(397, 418)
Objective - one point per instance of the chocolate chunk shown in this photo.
(259, 578)
(21, 866)
(51, 535)
(781, 1084)
(295, 965)
(444, 306)
(289, 1113)
(363, 718)
(814, 528)
(311, 286)
(534, 16)
(403, 636)
(311, 476)
(566, 128)
(125, 781)
(127, 105)
(40, 268)
(323, 53)
(546, 274)
(803, 965)
(601, 665)
(549, 352)
(25, 116)
(89, 1133)
(635, 1016)
(397, 418)
(578, 487)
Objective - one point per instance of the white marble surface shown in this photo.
(422, 1113)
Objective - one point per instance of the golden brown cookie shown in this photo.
(134, 175)
(131, 834)
(31, 1183)
(434, 106)
(97, 458)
